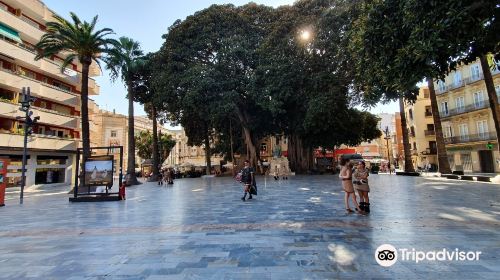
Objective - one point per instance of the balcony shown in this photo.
(36, 141)
(487, 136)
(10, 110)
(429, 132)
(27, 30)
(466, 109)
(50, 92)
(25, 56)
(428, 114)
(474, 78)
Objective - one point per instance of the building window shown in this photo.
(263, 147)
(61, 86)
(410, 112)
(447, 132)
(412, 131)
(444, 108)
(428, 111)
(414, 145)
(460, 104)
(463, 131)
(497, 89)
(457, 79)
(433, 147)
(478, 99)
(475, 72)
(441, 86)
(113, 133)
(30, 21)
(49, 175)
(482, 129)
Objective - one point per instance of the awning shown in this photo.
(10, 33)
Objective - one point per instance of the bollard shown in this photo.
(2, 194)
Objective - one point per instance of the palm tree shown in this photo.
(125, 61)
(82, 43)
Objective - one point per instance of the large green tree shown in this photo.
(83, 43)
(144, 145)
(303, 73)
(207, 68)
(125, 61)
(394, 49)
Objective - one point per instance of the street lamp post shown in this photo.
(387, 137)
(28, 130)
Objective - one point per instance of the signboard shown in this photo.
(99, 171)
(70, 72)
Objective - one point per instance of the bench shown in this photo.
(483, 178)
(450, 176)
(467, 177)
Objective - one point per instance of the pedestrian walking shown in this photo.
(360, 180)
(248, 179)
(346, 177)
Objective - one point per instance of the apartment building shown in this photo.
(56, 136)
(422, 136)
(111, 129)
(183, 155)
(467, 121)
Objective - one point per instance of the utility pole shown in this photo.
(231, 141)
(387, 137)
(28, 130)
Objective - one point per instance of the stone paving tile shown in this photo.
(293, 230)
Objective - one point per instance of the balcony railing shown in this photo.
(428, 114)
(454, 85)
(466, 109)
(471, 138)
(429, 132)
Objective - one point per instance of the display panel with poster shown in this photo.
(98, 172)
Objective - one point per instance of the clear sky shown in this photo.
(145, 21)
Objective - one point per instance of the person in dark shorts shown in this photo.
(247, 177)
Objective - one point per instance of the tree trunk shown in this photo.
(84, 107)
(156, 152)
(444, 164)
(247, 134)
(406, 140)
(300, 158)
(307, 159)
(208, 153)
(131, 178)
(293, 158)
(492, 96)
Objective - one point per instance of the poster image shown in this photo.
(99, 171)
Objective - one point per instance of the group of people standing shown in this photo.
(166, 176)
(355, 180)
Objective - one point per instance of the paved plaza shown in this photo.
(295, 229)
